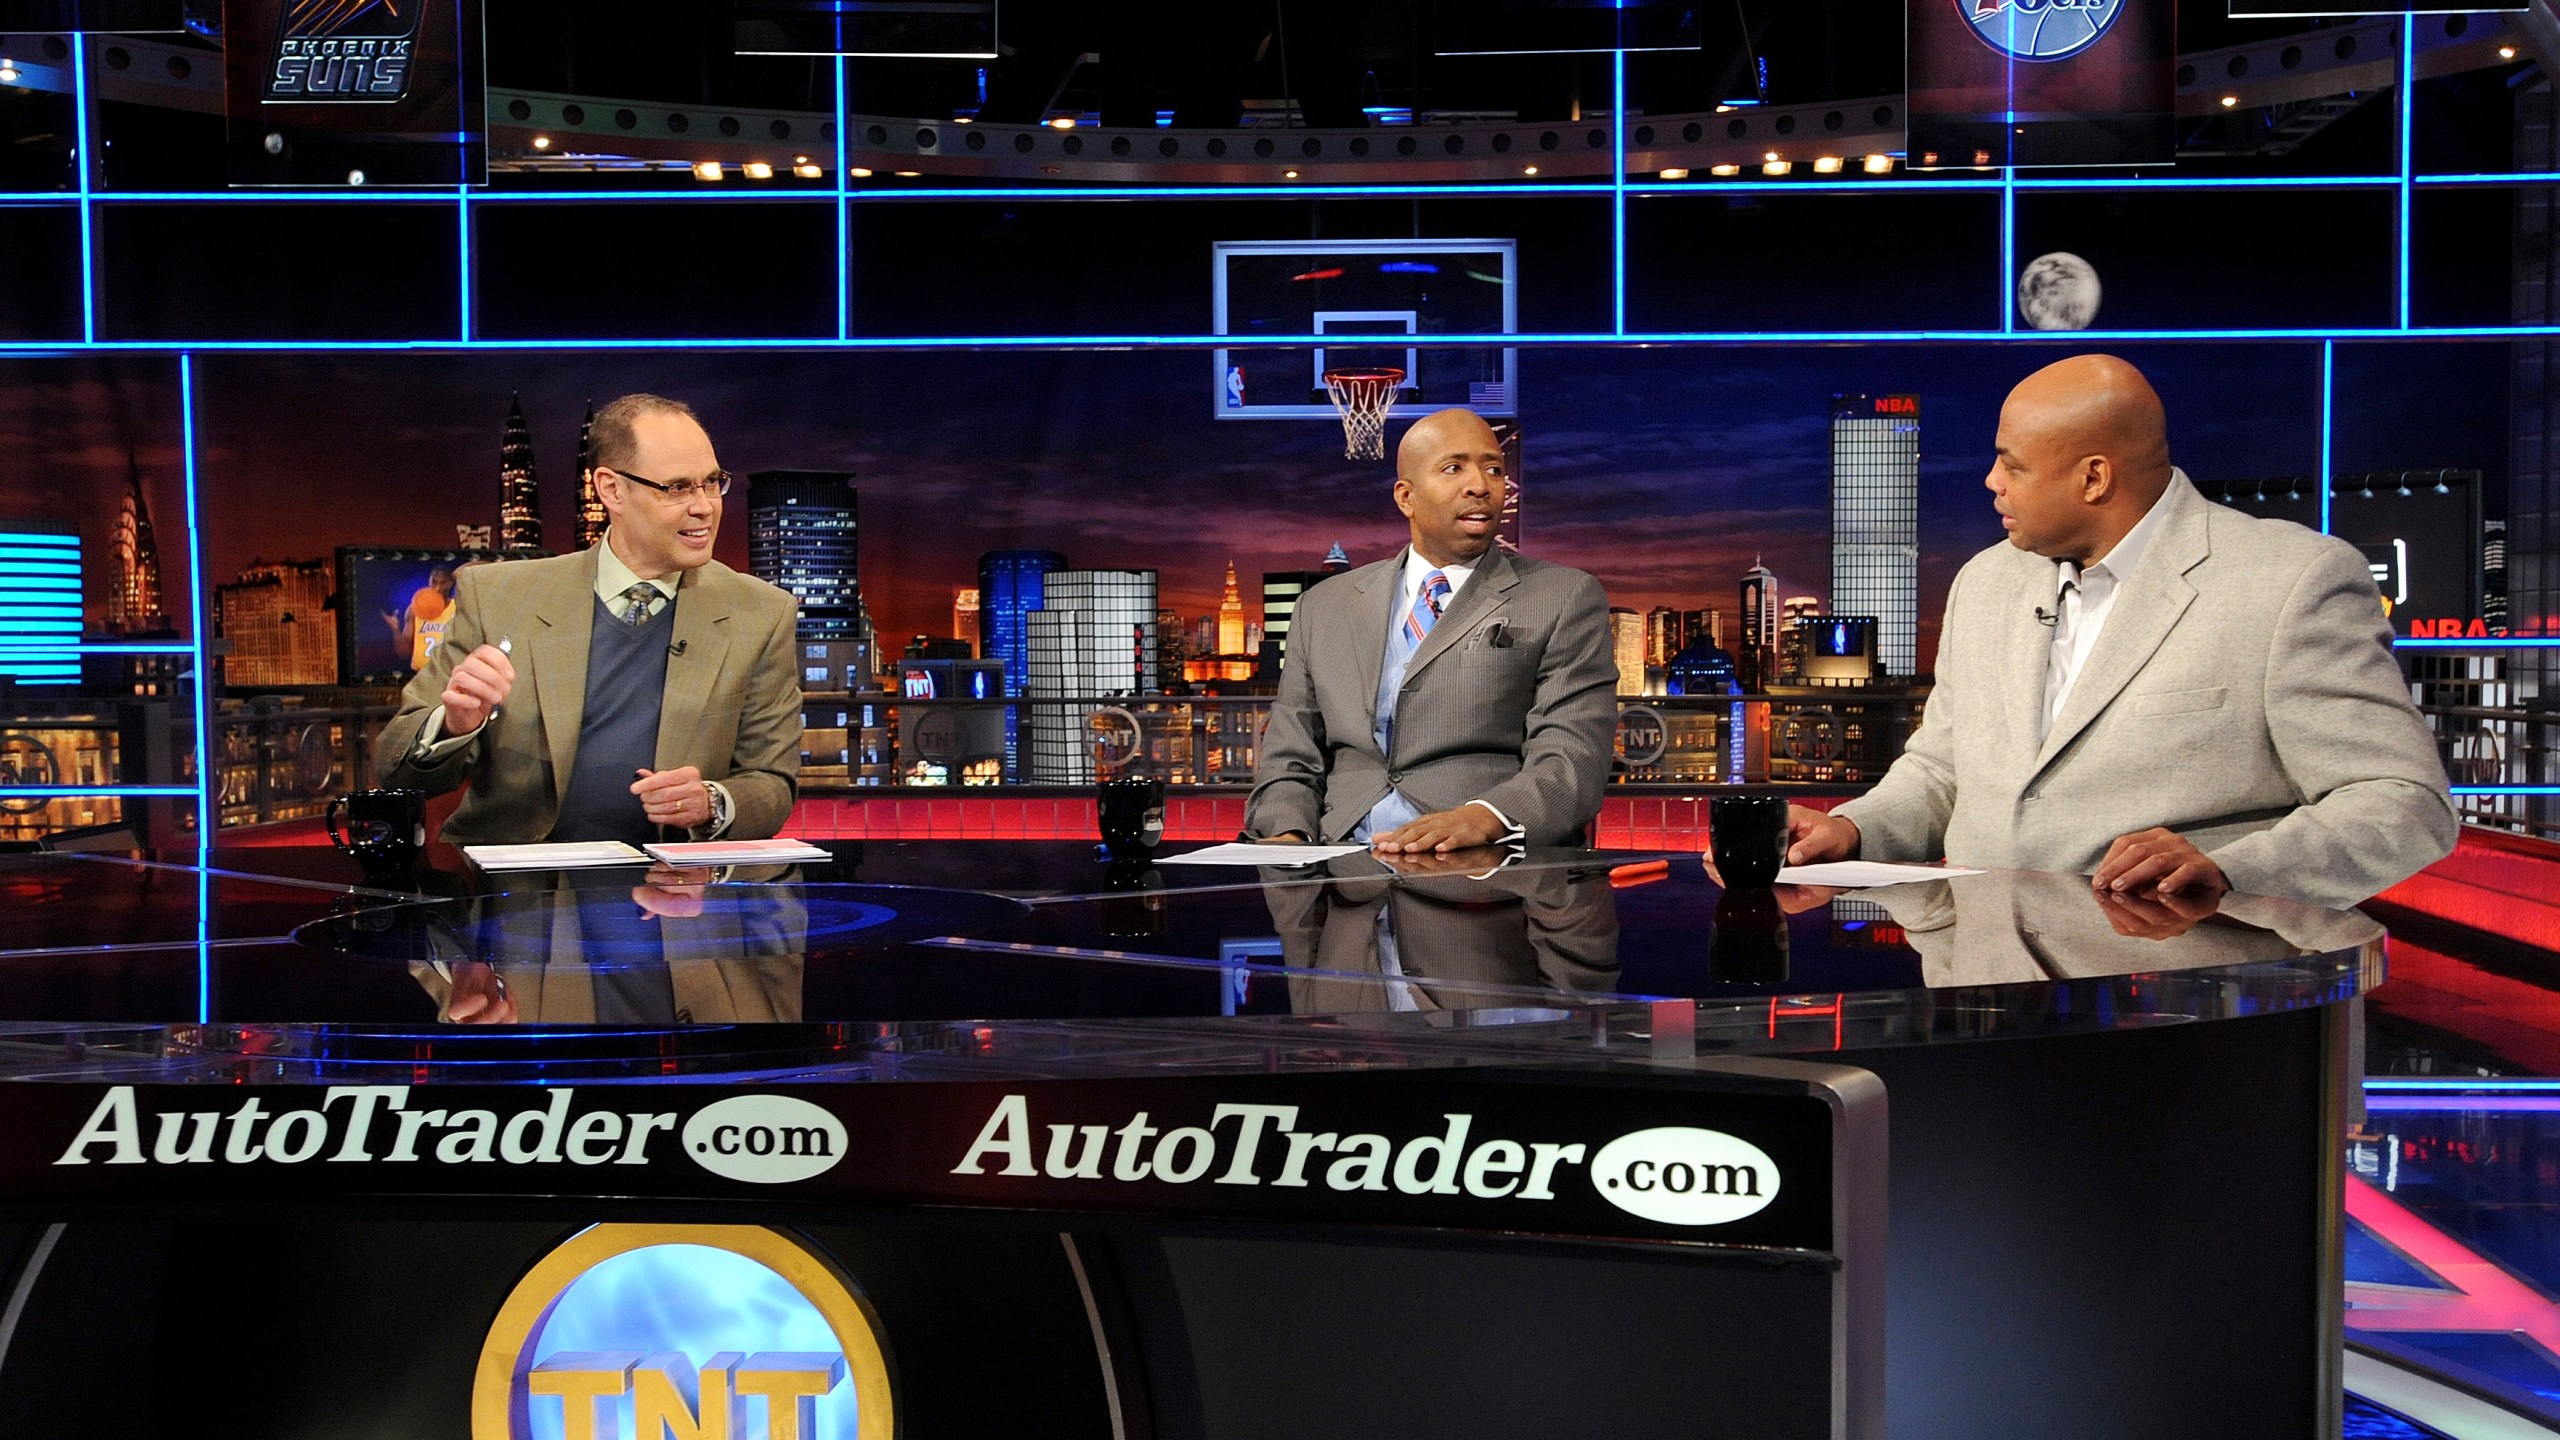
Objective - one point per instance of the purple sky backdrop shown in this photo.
(1664, 471)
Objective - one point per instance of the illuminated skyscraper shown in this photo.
(1626, 645)
(1875, 520)
(1759, 608)
(1009, 589)
(964, 618)
(1280, 592)
(135, 608)
(1093, 635)
(1797, 607)
(802, 534)
(277, 625)
(40, 592)
(1507, 532)
(1335, 561)
(519, 496)
(1667, 632)
(1231, 617)
(591, 516)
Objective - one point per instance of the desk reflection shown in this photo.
(1460, 919)
(565, 948)
(2012, 927)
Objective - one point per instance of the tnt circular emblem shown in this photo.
(2040, 29)
(735, 1331)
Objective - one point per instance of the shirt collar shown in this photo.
(1415, 567)
(613, 578)
(2119, 561)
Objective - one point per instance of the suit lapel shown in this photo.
(2025, 644)
(2146, 609)
(1483, 592)
(565, 617)
(694, 661)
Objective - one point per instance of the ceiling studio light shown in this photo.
(2506, 52)
(2230, 101)
(1528, 169)
(1879, 165)
(8, 71)
(758, 170)
(1725, 169)
(1775, 166)
(707, 170)
(860, 172)
(1827, 165)
(1288, 174)
(541, 142)
(1063, 122)
(807, 171)
(1675, 173)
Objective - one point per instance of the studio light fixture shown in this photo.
(1826, 165)
(758, 170)
(860, 172)
(2229, 101)
(1775, 167)
(1063, 122)
(1528, 169)
(807, 171)
(1727, 169)
(541, 142)
(1675, 173)
(707, 170)
(1879, 165)
(2506, 52)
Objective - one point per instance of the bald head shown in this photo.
(2083, 453)
(1442, 433)
(1450, 483)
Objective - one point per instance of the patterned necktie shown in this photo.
(1426, 610)
(640, 598)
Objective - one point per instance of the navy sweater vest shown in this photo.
(626, 679)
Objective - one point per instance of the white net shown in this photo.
(1362, 398)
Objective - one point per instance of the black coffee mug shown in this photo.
(1751, 938)
(385, 830)
(1131, 811)
(1747, 834)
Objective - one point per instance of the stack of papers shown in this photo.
(1246, 853)
(738, 852)
(556, 855)
(1866, 874)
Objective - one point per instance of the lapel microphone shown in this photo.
(678, 647)
(2047, 618)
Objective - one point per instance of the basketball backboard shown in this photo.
(1404, 300)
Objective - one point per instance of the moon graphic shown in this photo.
(2058, 292)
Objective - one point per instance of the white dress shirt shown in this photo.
(2083, 598)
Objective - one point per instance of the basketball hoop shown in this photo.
(1362, 398)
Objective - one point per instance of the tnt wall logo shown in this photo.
(723, 1332)
(2040, 29)
(344, 51)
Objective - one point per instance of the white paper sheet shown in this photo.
(1865, 874)
(737, 852)
(1245, 853)
(554, 855)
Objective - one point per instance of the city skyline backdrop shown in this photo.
(1666, 473)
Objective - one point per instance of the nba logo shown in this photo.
(2040, 29)
(1235, 387)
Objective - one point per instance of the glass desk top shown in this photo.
(288, 964)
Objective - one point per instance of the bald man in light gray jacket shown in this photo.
(2151, 689)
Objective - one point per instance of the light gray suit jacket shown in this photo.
(731, 706)
(1511, 700)
(2242, 694)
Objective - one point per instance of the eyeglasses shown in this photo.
(716, 483)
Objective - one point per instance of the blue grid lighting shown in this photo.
(40, 607)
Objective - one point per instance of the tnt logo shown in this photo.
(715, 1332)
(344, 51)
(2040, 29)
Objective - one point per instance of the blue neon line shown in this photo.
(171, 647)
(59, 792)
(2478, 1085)
(2408, 98)
(88, 213)
(1618, 190)
(2498, 642)
(206, 818)
(2328, 409)
(844, 217)
(462, 221)
(1579, 339)
(2008, 250)
(1933, 183)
